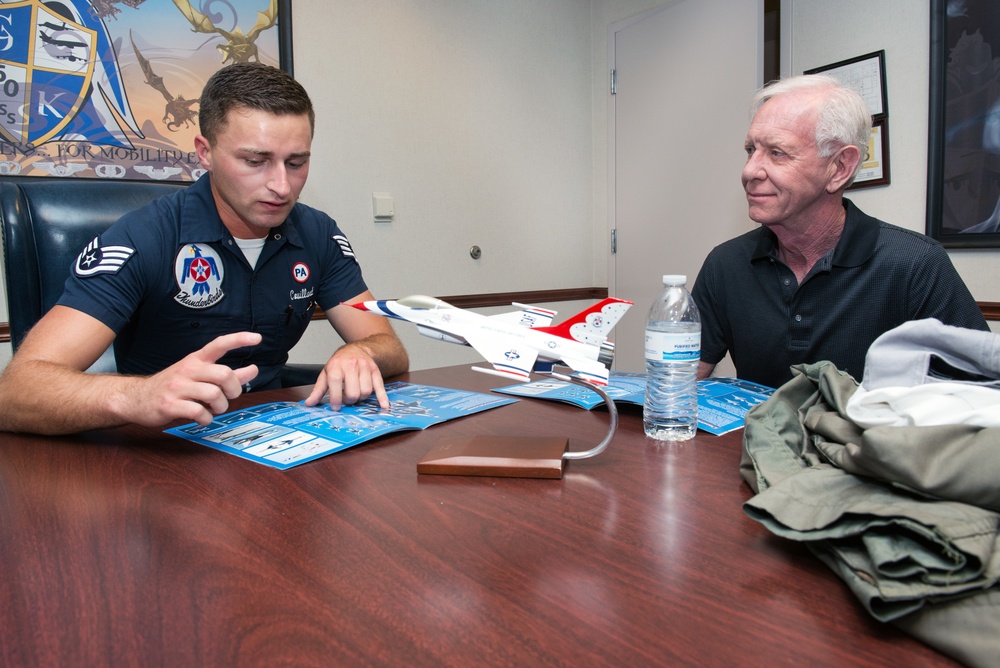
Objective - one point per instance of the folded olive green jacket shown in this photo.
(907, 516)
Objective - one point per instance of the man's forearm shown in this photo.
(387, 351)
(44, 398)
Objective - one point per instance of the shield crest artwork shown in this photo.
(109, 89)
(45, 71)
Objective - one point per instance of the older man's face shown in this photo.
(784, 176)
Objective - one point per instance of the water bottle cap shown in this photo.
(674, 279)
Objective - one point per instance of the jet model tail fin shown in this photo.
(591, 325)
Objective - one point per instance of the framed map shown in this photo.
(109, 89)
(866, 74)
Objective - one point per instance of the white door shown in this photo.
(684, 75)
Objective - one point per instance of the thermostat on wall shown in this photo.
(382, 207)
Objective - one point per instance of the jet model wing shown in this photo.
(589, 370)
(508, 360)
(528, 316)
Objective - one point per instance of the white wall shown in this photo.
(476, 117)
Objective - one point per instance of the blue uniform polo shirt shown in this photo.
(169, 277)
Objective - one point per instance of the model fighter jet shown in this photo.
(512, 342)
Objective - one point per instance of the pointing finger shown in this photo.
(243, 376)
(219, 346)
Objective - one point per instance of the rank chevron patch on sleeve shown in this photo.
(97, 260)
(345, 245)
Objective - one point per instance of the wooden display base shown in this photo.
(497, 456)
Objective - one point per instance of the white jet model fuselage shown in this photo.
(513, 342)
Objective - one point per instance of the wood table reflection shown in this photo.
(132, 547)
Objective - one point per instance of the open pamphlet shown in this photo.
(722, 402)
(287, 433)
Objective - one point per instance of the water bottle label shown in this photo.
(673, 346)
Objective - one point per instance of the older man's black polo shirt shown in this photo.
(876, 278)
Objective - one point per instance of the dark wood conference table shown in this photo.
(130, 547)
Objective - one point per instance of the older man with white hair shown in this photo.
(819, 279)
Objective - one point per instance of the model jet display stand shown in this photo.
(514, 456)
(513, 343)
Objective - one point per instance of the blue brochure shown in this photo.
(722, 402)
(286, 433)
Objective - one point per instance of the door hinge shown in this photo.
(614, 241)
(614, 82)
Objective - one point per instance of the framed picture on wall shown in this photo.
(963, 181)
(866, 74)
(109, 89)
(874, 169)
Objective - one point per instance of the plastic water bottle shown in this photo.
(673, 351)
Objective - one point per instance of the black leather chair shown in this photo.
(47, 222)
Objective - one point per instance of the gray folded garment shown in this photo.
(879, 507)
(926, 351)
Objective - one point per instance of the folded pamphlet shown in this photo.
(722, 402)
(286, 433)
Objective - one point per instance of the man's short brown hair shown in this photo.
(250, 86)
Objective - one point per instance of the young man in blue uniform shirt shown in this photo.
(818, 280)
(205, 291)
